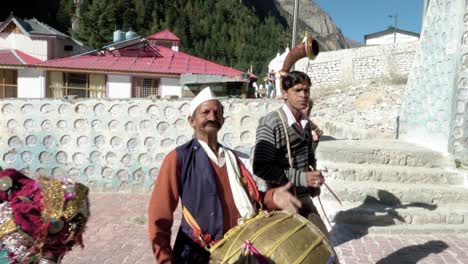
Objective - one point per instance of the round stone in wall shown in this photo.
(123, 175)
(79, 158)
(31, 140)
(246, 121)
(184, 109)
(111, 157)
(132, 144)
(134, 111)
(27, 109)
(114, 125)
(181, 140)
(138, 175)
(89, 171)
(170, 112)
(235, 108)
(153, 173)
(116, 142)
(12, 124)
(41, 172)
(162, 127)
(45, 157)
(61, 157)
(99, 109)
(227, 139)
(116, 110)
(131, 128)
(144, 159)
(95, 156)
(26, 156)
(82, 141)
(107, 173)
(150, 142)
(29, 124)
(81, 124)
(48, 141)
(99, 141)
(180, 124)
(10, 157)
(160, 157)
(167, 143)
(62, 124)
(74, 174)
(58, 172)
(47, 109)
(246, 137)
(65, 110)
(97, 124)
(15, 142)
(9, 109)
(145, 125)
(127, 160)
(228, 121)
(81, 109)
(65, 139)
(46, 125)
(153, 110)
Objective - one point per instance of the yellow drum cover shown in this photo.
(279, 236)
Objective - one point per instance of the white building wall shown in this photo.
(170, 87)
(59, 48)
(31, 83)
(4, 43)
(390, 39)
(119, 86)
(36, 48)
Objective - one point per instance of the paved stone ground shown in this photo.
(117, 233)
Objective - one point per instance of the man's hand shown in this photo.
(285, 200)
(315, 179)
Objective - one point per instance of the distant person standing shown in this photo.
(271, 83)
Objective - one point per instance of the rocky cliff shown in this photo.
(315, 21)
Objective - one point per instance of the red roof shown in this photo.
(164, 35)
(169, 62)
(16, 57)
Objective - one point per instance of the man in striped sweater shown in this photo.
(284, 146)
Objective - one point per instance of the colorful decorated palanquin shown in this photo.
(40, 219)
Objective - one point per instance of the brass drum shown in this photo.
(276, 237)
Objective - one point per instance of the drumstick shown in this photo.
(331, 191)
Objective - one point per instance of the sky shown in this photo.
(357, 18)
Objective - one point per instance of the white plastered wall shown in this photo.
(390, 39)
(170, 87)
(119, 86)
(31, 83)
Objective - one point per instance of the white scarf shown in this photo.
(241, 199)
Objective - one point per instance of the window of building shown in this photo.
(83, 85)
(8, 83)
(144, 87)
(68, 48)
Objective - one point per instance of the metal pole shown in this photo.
(293, 39)
(296, 10)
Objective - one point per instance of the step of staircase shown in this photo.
(396, 193)
(395, 174)
(381, 151)
(378, 214)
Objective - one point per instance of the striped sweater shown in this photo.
(270, 160)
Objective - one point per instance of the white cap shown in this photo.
(203, 96)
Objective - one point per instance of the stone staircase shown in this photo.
(389, 186)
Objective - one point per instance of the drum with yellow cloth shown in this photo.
(276, 237)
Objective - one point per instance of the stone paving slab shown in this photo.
(117, 234)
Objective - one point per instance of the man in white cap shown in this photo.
(216, 190)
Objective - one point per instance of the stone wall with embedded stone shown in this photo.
(434, 111)
(111, 144)
(352, 66)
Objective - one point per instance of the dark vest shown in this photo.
(197, 188)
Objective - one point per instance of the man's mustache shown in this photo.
(212, 123)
